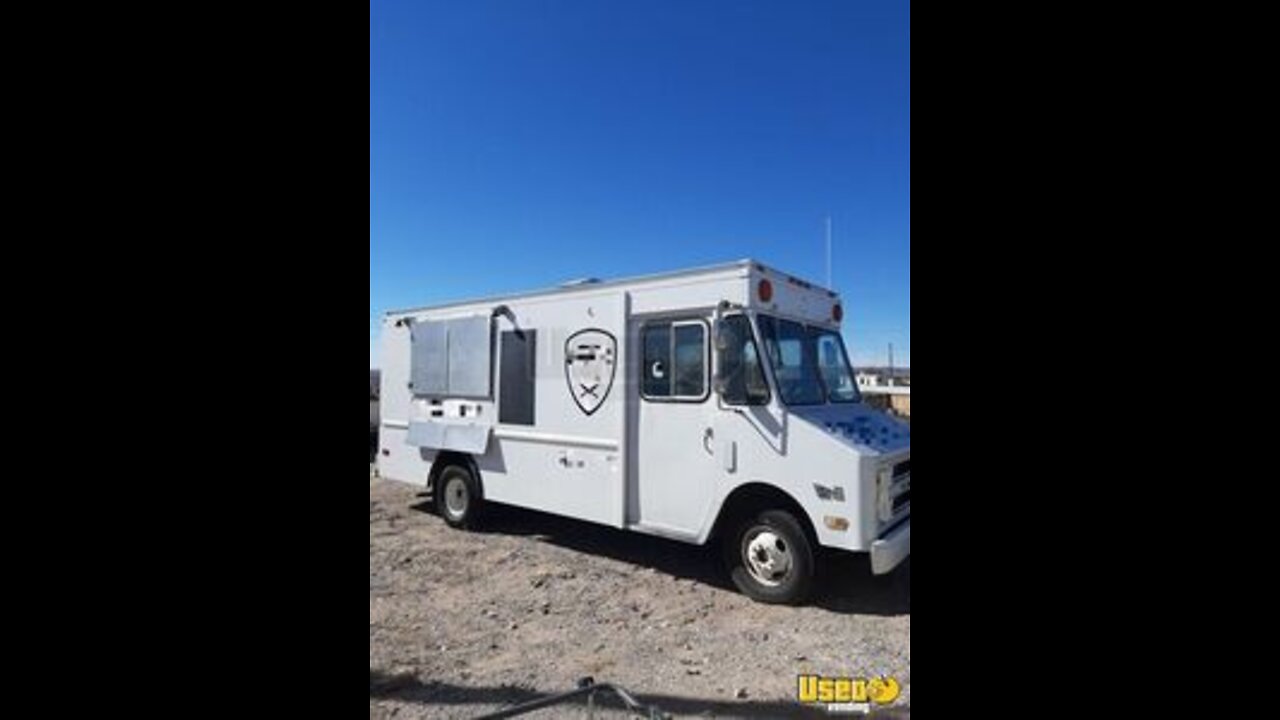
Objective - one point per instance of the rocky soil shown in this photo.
(464, 623)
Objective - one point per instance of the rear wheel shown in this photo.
(457, 496)
(770, 558)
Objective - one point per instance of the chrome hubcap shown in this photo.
(455, 497)
(767, 556)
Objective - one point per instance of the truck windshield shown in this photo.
(833, 366)
(809, 363)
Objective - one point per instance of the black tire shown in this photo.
(770, 536)
(457, 496)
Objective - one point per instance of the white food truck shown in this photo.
(714, 404)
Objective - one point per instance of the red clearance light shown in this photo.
(765, 290)
(837, 312)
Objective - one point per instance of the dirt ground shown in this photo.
(464, 623)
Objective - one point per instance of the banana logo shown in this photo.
(883, 690)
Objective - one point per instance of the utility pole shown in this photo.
(890, 363)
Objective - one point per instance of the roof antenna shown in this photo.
(829, 252)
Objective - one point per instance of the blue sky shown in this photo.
(516, 144)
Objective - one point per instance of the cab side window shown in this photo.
(674, 363)
(657, 361)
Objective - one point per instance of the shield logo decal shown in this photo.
(590, 361)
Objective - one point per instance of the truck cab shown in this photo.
(789, 417)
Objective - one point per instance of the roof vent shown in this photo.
(579, 282)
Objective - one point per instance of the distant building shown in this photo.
(885, 390)
(874, 377)
(867, 379)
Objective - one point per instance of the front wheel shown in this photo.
(770, 558)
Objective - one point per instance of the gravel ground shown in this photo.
(463, 623)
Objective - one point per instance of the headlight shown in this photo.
(884, 504)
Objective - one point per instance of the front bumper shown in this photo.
(892, 549)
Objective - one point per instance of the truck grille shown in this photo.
(902, 482)
(901, 501)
